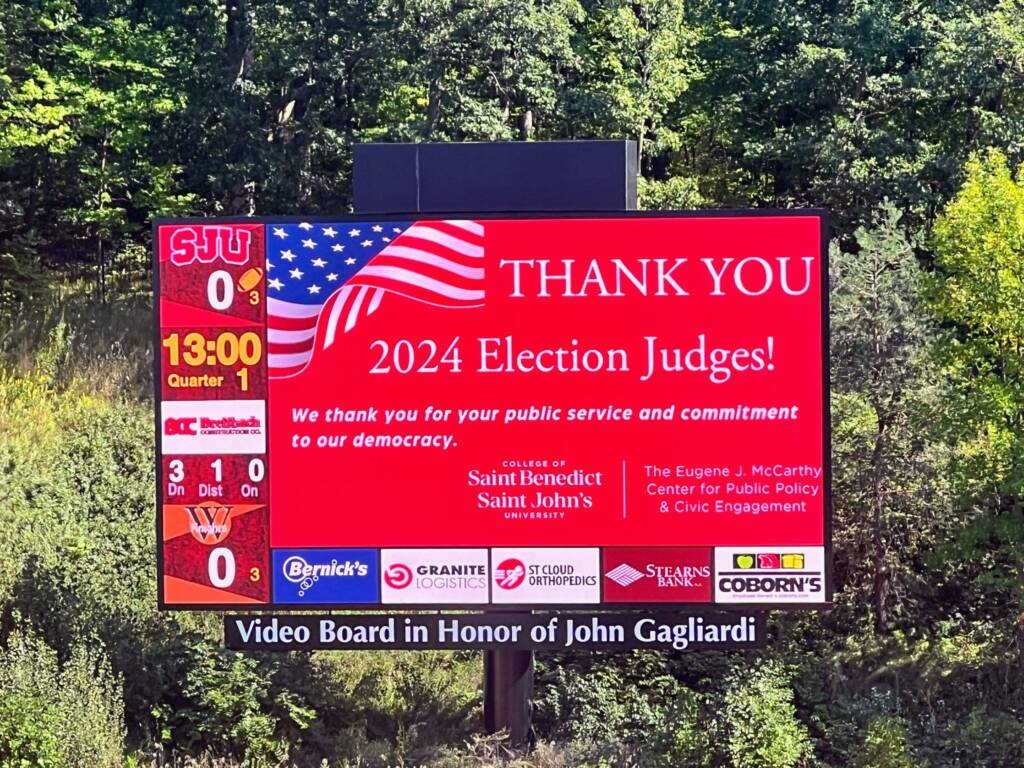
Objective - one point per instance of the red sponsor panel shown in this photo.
(221, 548)
(657, 575)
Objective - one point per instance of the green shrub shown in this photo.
(29, 728)
(763, 728)
(68, 715)
(885, 745)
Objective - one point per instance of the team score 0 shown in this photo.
(425, 356)
(221, 288)
(222, 569)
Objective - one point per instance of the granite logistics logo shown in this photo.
(398, 576)
(325, 576)
(756, 575)
(428, 576)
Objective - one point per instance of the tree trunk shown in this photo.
(880, 582)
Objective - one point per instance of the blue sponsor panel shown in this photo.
(326, 576)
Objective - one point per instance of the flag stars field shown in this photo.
(439, 263)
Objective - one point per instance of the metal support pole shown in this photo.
(507, 177)
(508, 692)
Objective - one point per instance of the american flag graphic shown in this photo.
(322, 279)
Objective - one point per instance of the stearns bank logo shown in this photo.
(209, 522)
(509, 573)
(657, 574)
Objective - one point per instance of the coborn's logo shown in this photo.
(209, 522)
(510, 573)
(209, 243)
(781, 585)
(187, 426)
(754, 575)
(398, 576)
(769, 561)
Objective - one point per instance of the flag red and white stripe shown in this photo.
(433, 262)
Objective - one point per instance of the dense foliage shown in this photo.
(906, 120)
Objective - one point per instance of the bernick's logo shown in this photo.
(209, 522)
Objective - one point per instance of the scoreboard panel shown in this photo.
(493, 412)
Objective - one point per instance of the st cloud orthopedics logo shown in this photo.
(326, 576)
(546, 575)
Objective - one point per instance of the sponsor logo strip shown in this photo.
(546, 576)
(325, 576)
(434, 576)
(770, 574)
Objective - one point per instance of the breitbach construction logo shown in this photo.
(213, 426)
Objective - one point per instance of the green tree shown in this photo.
(890, 495)
(979, 291)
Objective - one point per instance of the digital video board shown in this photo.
(508, 412)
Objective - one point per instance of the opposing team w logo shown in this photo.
(209, 522)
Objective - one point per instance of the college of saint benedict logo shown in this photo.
(510, 573)
(398, 576)
(209, 522)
